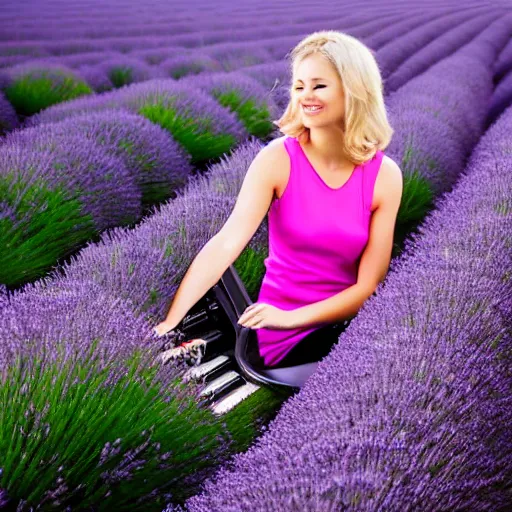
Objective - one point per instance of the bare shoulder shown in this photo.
(278, 160)
(276, 149)
(389, 184)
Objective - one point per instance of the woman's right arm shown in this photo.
(223, 249)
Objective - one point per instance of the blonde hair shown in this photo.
(366, 128)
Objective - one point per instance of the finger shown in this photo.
(251, 308)
(248, 314)
(259, 324)
(248, 309)
(250, 321)
(257, 320)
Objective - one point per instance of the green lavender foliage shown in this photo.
(46, 224)
(30, 94)
(121, 76)
(202, 145)
(78, 433)
(417, 201)
(256, 118)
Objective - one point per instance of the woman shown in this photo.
(332, 197)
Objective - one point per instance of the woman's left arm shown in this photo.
(375, 259)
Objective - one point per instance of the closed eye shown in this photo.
(298, 88)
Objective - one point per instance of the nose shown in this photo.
(306, 95)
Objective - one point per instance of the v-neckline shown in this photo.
(320, 177)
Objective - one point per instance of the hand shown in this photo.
(260, 315)
(164, 327)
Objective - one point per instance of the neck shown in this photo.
(328, 145)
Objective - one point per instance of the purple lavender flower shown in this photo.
(11, 60)
(78, 60)
(157, 163)
(179, 66)
(427, 131)
(226, 176)
(204, 128)
(441, 46)
(73, 313)
(8, 118)
(7, 212)
(125, 70)
(388, 33)
(96, 78)
(26, 49)
(270, 74)
(156, 56)
(196, 121)
(39, 223)
(501, 99)
(279, 47)
(100, 181)
(4, 498)
(83, 105)
(276, 78)
(393, 54)
(503, 64)
(241, 94)
(233, 55)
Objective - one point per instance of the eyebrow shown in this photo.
(313, 80)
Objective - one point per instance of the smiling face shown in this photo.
(326, 92)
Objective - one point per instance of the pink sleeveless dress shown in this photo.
(317, 235)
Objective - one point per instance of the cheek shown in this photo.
(338, 105)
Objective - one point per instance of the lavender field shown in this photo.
(126, 131)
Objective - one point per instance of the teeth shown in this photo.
(312, 108)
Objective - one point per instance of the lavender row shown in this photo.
(434, 132)
(133, 26)
(443, 45)
(268, 26)
(501, 98)
(419, 405)
(139, 164)
(504, 63)
(126, 44)
(159, 99)
(116, 69)
(154, 161)
(95, 422)
(161, 24)
(31, 88)
(393, 54)
(358, 25)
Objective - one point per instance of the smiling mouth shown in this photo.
(311, 110)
